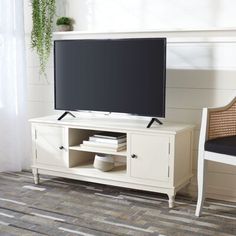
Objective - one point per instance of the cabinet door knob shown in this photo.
(61, 147)
(134, 156)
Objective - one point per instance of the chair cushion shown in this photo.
(223, 145)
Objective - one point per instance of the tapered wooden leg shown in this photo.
(201, 177)
(36, 176)
(171, 200)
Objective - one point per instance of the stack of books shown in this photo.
(106, 140)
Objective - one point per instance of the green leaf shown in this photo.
(43, 12)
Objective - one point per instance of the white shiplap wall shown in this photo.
(199, 74)
(40, 90)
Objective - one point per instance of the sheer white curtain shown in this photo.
(14, 131)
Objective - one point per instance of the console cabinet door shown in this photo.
(149, 157)
(50, 145)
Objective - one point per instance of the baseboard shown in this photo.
(212, 192)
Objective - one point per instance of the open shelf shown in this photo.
(200, 35)
(98, 150)
(78, 136)
(89, 170)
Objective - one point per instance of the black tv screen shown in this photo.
(111, 75)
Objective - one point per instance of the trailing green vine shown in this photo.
(43, 12)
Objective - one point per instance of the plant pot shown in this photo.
(64, 28)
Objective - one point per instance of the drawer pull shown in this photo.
(61, 147)
(134, 156)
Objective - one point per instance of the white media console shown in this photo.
(157, 159)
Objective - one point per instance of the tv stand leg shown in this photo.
(64, 114)
(36, 176)
(152, 121)
(171, 200)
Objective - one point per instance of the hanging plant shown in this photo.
(43, 12)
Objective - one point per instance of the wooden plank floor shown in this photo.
(65, 207)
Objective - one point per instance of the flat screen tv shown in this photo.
(111, 75)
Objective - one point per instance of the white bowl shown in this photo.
(104, 162)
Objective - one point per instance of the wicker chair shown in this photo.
(217, 143)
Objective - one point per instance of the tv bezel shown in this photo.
(117, 39)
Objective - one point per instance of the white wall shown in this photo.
(198, 74)
(40, 90)
(151, 14)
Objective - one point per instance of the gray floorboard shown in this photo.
(67, 207)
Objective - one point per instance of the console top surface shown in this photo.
(113, 124)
